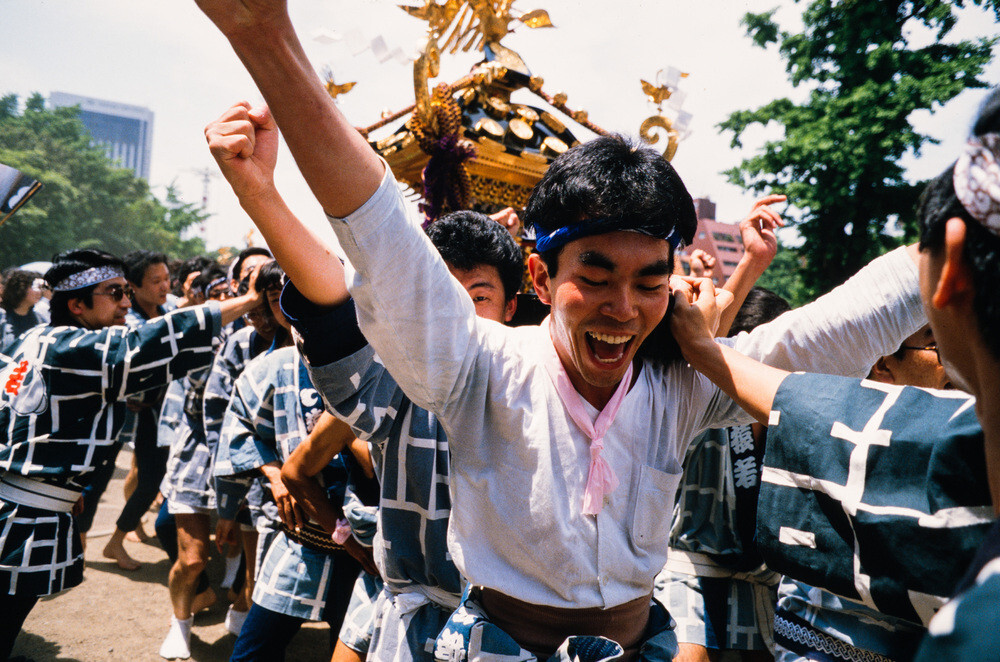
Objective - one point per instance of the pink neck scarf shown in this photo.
(601, 479)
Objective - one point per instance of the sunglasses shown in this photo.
(116, 292)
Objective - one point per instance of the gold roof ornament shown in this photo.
(467, 144)
(665, 89)
(333, 88)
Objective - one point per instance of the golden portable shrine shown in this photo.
(466, 144)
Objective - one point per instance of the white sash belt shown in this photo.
(25, 491)
(702, 565)
(414, 596)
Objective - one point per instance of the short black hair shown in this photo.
(467, 239)
(271, 275)
(66, 264)
(760, 307)
(16, 287)
(615, 181)
(190, 265)
(939, 203)
(207, 275)
(137, 262)
(244, 254)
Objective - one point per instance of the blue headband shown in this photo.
(213, 284)
(547, 241)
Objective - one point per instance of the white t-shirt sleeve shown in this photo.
(416, 315)
(847, 330)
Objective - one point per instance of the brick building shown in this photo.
(720, 240)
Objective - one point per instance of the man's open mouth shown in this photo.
(608, 348)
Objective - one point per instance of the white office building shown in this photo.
(126, 131)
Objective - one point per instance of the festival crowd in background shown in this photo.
(623, 463)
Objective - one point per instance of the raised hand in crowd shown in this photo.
(244, 142)
(760, 245)
(758, 229)
(702, 264)
(508, 218)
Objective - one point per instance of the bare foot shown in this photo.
(118, 554)
(203, 601)
(139, 535)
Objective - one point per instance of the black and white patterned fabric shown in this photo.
(238, 348)
(968, 627)
(874, 492)
(61, 407)
(6, 330)
(188, 478)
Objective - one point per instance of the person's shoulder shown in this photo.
(968, 627)
(513, 339)
(271, 362)
(238, 338)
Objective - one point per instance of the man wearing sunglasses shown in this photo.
(62, 392)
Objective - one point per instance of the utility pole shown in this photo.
(206, 174)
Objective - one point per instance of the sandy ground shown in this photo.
(120, 615)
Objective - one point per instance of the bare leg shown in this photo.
(249, 540)
(139, 535)
(343, 653)
(192, 556)
(115, 550)
(203, 600)
(128, 488)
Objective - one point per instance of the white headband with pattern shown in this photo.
(977, 180)
(88, 277)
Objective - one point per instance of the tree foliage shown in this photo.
(784, 276)
(838, 158)
(87, 201)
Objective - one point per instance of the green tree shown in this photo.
(87, 201)
(784, 276)
(838, 158)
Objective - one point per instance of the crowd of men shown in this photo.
(652, 470)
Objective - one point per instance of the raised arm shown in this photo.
(338, 164)
(760, 245)
(846, 330)
(244, 142)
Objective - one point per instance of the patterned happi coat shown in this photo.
(410, 451)
(6, 330)
(874, 492)
(238, 349)
(188, 477)
(61, 408)
(274, 407)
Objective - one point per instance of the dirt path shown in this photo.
(119, 615)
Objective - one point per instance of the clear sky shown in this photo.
(167, 56)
